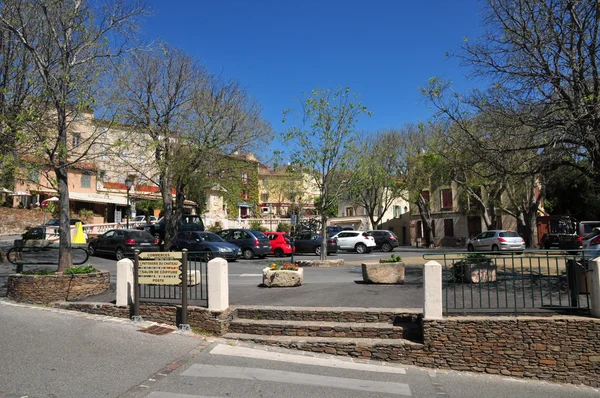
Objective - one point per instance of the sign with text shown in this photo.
(162, 269)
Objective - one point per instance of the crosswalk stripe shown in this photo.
(278, 376)
(246, 352)
(159, 394)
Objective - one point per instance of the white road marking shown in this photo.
(247, 275)
(246, 352)
(278, 376)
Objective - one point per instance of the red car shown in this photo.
(280, 243)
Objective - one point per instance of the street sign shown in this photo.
(157, 255)
(160, 268)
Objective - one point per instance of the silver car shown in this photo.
(496, 240)
(592, 242)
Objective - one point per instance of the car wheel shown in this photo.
(278, 252)
(120, 254)
(386, 247)
(360, 248)
(248, 254)
(470, 248)
(91, 250)
(318, 250)
(495, 248)
(209, 255)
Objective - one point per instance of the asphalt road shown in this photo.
(54, 353)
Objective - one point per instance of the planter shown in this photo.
(321, 263)
(282, 278)
(375, 272)
(46, 289)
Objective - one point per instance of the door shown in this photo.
(378, 236)
(346, 240)
(241, 238)
(477, 241)
(118, 239)
(301, 243)
(196, 242)
(487, 241)
(104, 241)
(182, 240)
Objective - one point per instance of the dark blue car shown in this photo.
(211, 244)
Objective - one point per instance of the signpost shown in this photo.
(162, 268)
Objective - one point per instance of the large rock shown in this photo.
(383, 272)
(281, 278)
(321, 263)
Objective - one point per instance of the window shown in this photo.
(397, 211)
(448, 227)
(86, 181)
(264, 197)
(446, 199)
(265, 183)
(76, 139)
(244, 194)
(244, 178)
(349, 211)
(34, 176)
(425, 195)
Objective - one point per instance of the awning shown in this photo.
(243, 204)
(98, 198)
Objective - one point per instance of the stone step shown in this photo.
(323, 329)
(395, 350)
(330, 314)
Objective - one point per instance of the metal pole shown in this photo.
(184, 288)
(136, 285)
(127, 210)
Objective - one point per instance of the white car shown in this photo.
(355, 240)
(496, 240)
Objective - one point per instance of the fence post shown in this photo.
(432, 287)
(124, 282)
(594, 269)
(218, 284)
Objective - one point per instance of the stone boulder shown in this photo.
(282, 278)
(383, 272)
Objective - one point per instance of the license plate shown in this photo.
(145, 244)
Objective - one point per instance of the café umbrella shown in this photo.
(45, 204)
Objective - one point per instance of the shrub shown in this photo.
(216, 227)
(284, 227)
(86, 214)
(86, 269)
(395, 258)
(257, 226)
(280, 265)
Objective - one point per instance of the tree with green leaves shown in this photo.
(68, 41)
(325, 143)
(379, 182)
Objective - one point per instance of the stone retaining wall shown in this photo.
(46, 289)
(327, 314)
(564, 349)
(216, 322)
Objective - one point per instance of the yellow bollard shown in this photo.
(79, 237)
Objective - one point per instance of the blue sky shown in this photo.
(383, 50)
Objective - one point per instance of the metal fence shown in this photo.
(514, 282)
(29, 258)
(197, 289)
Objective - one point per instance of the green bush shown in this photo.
(395, 258)
(257, 226)
(84, 214)
(284, 227)
(216, 227)
(86, 269)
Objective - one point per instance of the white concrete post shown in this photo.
(432, 287)
(124, 282)
(594, 266)
(218, 284)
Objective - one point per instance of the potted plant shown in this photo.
(386, 270)
(283, 274)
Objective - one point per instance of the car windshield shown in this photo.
(209, 237)
(139, 218)
(508, 234)
(595, 232)
(139, 235)
(259, 235)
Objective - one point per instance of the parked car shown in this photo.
(310, 242)
(496, 240)
(251, 242)
(591, 241)
(35, 233)
(280, 243)
(123, 243)
(53, 222)
(207, 242)
(355, 241)
(561, 241)
(384, 240)
(333, 230)
(188, 222)
(142, 218)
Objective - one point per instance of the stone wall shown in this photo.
(327, 314)
(564, 349)
(46, 289)
(216, 322)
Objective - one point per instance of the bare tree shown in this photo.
(68, 41)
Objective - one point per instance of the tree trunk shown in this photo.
(170, 222)
(65, 255)
(323, 236)
(425, 215)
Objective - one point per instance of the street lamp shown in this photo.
(128, 185)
